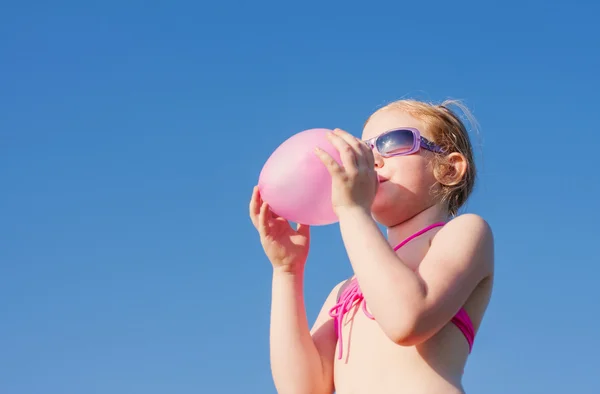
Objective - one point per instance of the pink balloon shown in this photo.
(295, 183)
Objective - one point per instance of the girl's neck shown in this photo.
(401, 231)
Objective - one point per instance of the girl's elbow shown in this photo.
(407, 339)
(404, 338)
(406, 333)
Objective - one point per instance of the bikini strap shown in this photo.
(415, 235)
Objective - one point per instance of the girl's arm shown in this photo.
(301, 360)
(410, 307)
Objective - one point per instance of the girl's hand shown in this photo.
(285, 247)
(355, 181)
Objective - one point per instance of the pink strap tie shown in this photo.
(349, 297)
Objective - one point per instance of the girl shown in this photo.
(406, 321)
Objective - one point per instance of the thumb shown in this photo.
(303, 229)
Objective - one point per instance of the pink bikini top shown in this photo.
(352, 296)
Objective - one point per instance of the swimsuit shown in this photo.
(352, 296)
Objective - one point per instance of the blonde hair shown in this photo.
(449, 132)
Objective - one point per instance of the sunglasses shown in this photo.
(401, 142)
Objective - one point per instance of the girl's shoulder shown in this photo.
(470, 222)
(470, 237)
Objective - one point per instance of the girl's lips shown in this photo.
(381, 179)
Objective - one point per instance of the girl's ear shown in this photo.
(452, 170)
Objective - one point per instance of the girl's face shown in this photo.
(405, 182)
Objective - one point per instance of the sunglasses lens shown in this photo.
(396, 142)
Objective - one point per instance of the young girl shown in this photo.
(407, 319)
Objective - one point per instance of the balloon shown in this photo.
(295, 182)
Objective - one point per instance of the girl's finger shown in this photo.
(332, 166)
(263, 219)
(356, 144)
(368, 155)
(303, 229)
(255, 206)
(349, 138)
(347, 152)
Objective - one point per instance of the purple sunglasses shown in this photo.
(401, 142)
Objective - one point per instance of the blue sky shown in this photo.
(132, 135)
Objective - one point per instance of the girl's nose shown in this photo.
(378, 160)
